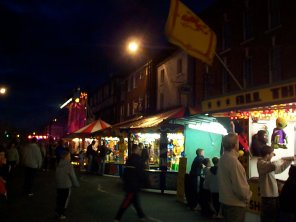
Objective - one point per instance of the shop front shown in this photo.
(260, 110)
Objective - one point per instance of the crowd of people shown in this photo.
(223, 191)
(33, 156)
(218, 187)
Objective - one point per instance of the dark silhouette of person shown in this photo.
(133, 179)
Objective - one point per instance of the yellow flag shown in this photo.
(188, 31)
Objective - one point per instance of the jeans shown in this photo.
(269, 209)
(130, 198)
(233, 213)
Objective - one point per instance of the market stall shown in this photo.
(79, 140)
(118, 154)
(271, 109)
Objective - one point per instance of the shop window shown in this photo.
(274, 18)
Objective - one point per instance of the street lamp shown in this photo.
(3, 90)
(133, 46)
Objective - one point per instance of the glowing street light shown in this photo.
(3, 90)
(133, 46)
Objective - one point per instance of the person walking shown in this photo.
(268, 184)
(234, 190)
(133, 179)
(32, 161)
(65, 179)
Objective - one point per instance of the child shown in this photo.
(268, 183)
(213, 186)
(65, 178)
(205, 194)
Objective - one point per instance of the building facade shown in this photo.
(104, 102)
(256, 42)
(175, 81)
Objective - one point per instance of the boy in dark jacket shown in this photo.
(133, 179)
(65, 179)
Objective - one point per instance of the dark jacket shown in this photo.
(196, 167)
(288, 193)
(134, 176)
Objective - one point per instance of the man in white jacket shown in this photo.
(234, 190)
(32, 160)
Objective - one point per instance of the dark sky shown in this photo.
(50, 47)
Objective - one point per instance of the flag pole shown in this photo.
(228, 70)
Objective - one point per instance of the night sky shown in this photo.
(50, 47)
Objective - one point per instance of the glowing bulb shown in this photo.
(133, 46)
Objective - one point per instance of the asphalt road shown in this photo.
(96, 200)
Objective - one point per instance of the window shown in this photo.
(140, 106)
(274, 17)
(179, 66)
(161, 101)
(128, 109)
(248, 25)
(162, 76)
(275, 63)
(135, 107)
(226, 36)
(122, 111)
(129, 86)
(248, 72)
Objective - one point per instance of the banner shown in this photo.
(188, 31)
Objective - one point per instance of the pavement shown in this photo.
(96, 200)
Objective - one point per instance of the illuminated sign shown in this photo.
(271, 95)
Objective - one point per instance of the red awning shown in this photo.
(93, 127)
